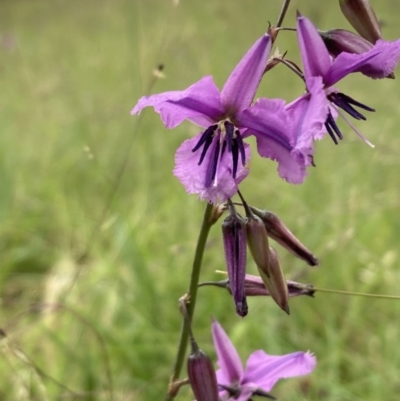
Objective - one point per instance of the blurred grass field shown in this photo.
(98, 236)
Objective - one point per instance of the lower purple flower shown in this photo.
(262, 370)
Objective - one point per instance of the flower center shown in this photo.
(217, 140)
(347, 104)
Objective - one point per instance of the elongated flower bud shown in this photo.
(254, 286)
(277, 230)
(276, 284)
(362, 18)
(202, 377)
(234, 237)
(340, 40)
(257, 240)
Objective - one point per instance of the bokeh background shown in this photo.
(97, 236)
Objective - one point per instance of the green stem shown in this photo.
(359, 294)
(194, 281)
(283, 13)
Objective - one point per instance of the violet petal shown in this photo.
(379, 62)
(265, 370)
(315, 56)
(269, 122)
(228, 358)
(200, 104)
(308, 114)
(241, 86)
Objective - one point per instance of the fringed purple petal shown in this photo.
(193, 176)
(200, 104)
(315, 56)
(308, 114)
(269, 122)
(265, 370)
(378, 62)
(241, 86)
(228, 358)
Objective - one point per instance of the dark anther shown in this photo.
(212, 166)
(237, 146)
(348, 108)
(350, 100)
(346, 103)
(235, 157)
(207, 144)
(229, 134)
(332, 128)
(241, 146)
(209, 132)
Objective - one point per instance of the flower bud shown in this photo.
(362, 18)
(254, 286)
(234, 237)
(277, 230)
(202, 377)
(340, 40)
(276, 284)
(257, 240)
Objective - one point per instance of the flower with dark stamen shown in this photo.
(315, 112)
(214, 162)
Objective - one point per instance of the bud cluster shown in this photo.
(255, 230)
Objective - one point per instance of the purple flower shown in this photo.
(262, 370)
(314, 113)
(214, 162)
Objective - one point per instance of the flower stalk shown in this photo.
(282, 13)
(193, 286)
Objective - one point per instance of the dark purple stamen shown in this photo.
(350, 100)
(239, 140)
(212, 166)
(346, 103)
(348, 108)
(332, 128)
(235, 157)
(209, 132)
(233, 142)
(229, 134)
(207, 144)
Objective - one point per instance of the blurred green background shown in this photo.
(97, 236)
